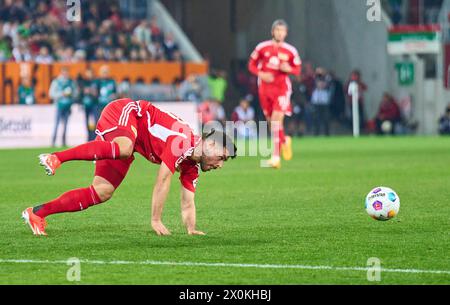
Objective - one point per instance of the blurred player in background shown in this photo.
(63, 92)
(273, 61)
(126, 126)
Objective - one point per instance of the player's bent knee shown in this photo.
(126, 147)
(104, 190)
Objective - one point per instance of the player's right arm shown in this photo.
(160, 191)
(255, 70)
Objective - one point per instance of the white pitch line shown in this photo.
(234, 265)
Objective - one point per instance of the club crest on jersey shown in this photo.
(274, 63)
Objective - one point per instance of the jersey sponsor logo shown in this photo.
(283, 56)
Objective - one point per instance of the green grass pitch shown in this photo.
(311, 212)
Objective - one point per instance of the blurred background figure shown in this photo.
(106, 88)
(88, 87)
(217, 83)
(444, 122)
(63, 93)
(320, 101)
(388, 116)
(26, 91)
(192, 90)
(244, 118)
(211, 111)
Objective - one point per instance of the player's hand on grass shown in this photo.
(266, 77)
(195, 232)
(159, 228)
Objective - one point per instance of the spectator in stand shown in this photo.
(307, 86)
(119, 55)
(21, 53)
(143, 33)
(123, 88)
(5, 48)
(157, 51)
(176, 84)
(191, 89)
(177, 56)
(211, 111)
(134, 55)
(144, 54)
(170, 46)
(396, 7)
(337, 97)
(444, 122)
(244, 118)
(63, 93)
(26, 92)
(217, 84)
(106, 88)
(116, 18)
(320, 100)
(100, 33)
(388, 115)
(44, 56)
(157, 34)
(89, 100)
(355, 76)
(67, 55)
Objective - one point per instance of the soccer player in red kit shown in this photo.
(125, 127)
(273, 61)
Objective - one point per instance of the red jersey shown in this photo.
(267, 57)
(158, 136)
(162, 136)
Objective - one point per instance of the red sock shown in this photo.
(72, 201)
(95, 150)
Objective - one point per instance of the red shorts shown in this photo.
(118, 119)
(275, 101)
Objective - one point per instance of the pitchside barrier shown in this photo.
(32, 126)
(43, 74)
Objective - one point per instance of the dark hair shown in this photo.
(222, 137)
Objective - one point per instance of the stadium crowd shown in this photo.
(39, 31)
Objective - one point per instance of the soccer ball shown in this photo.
(382, 203)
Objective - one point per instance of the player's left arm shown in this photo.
(188, 212)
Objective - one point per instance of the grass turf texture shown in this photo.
(311, 212)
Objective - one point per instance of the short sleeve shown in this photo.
(189, 175)
(176, 150)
